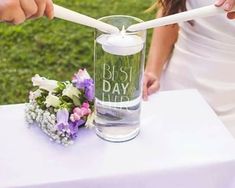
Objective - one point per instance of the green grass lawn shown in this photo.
(54, 49)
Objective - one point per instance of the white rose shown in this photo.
(52, 100)
(44, 83)
(70, 91)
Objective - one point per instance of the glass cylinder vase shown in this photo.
(119, 68)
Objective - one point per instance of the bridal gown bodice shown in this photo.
(204, 58)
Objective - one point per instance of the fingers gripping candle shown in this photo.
(119, 63)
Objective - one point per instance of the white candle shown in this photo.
(69, 15)
(121, 43)
(202, 12)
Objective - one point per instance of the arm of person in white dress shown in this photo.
(162, 44)
(17, 11)
(228, 6)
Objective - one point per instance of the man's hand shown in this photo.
(17, 11)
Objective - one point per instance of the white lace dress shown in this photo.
(204, 58)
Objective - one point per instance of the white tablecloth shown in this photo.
(182, 144)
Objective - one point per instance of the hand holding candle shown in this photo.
(227, 5)
(17, 11)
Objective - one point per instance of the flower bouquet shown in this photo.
(60, 108)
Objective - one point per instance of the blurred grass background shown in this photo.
(54, 49)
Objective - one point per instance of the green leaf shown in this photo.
(76, 101)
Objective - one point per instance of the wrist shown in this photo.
(152, 75)
(154, 71)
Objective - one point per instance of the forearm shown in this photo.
(163, 41)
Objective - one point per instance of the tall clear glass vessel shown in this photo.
(119, 68)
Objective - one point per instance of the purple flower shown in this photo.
(62, 118)
(90, 91)
(73, 127)
(80, 77)
(83, 81)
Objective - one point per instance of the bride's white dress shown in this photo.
(204, 58)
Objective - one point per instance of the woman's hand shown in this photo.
(151, 85)
(227, 5)
(17, 11)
